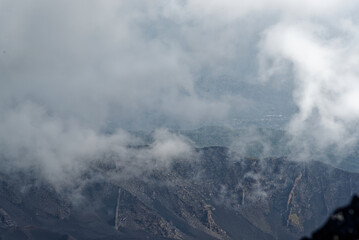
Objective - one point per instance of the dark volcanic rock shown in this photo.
(343, 224)
(216, 196)
(5, 220)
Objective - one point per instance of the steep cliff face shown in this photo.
(217, 196)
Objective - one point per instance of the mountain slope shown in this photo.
(214, 196)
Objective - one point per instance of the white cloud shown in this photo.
(324, 60)
(71, 68)
(61, 151)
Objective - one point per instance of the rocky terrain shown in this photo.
(343, 224)
(216, 195)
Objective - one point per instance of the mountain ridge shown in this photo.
(216, 196)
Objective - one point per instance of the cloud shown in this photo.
(323, 61)
(231, 10)
(313, 45)
(73, 70)
(62, 152)
(100, 62)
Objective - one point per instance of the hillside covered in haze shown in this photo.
(176, 119)
(215, 196)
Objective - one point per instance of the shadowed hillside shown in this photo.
(217, 196)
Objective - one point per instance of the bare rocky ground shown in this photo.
(215, 196)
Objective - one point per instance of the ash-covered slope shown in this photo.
(217, 196)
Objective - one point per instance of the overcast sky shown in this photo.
(69, 69)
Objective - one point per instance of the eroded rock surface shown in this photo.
(218, 195)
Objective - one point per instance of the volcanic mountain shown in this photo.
(215, 195)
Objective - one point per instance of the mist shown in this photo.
(78, 77)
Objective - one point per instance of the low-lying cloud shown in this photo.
(323, 61)
(74, 71)
(61, 152)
